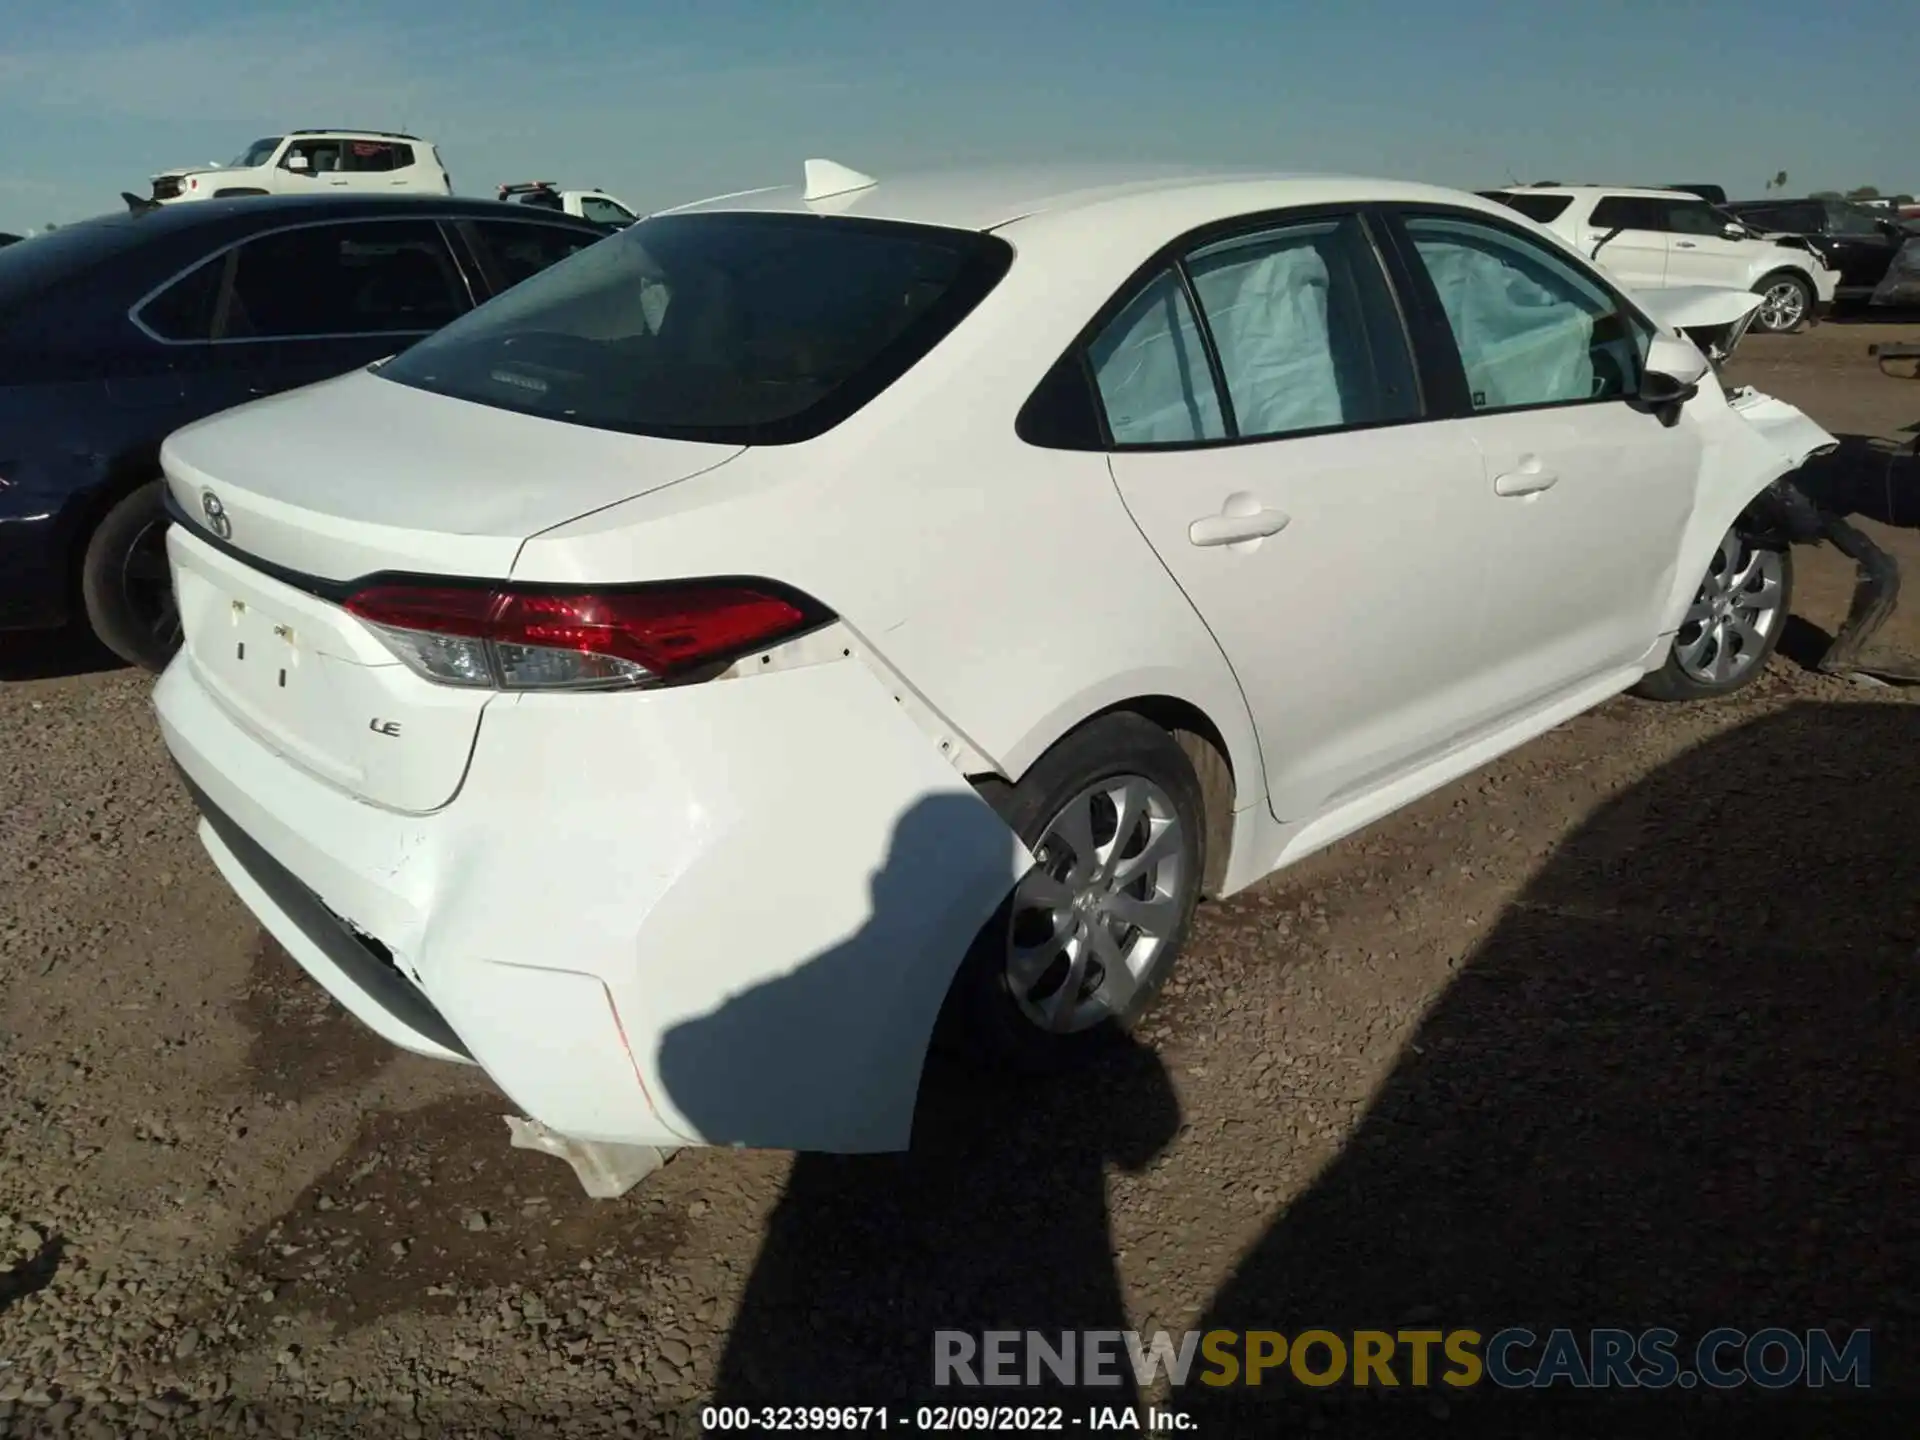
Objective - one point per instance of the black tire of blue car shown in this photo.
(1803, 314)
(125, 584)
(983, 1020)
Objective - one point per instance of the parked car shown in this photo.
(116, 330)
(314, 162)
(824, 612)
(595, 205)
(1853, 239)
(1651, 238)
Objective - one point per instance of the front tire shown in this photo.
(1733, 625)
(1786, 304)
(1115, 817)
(125, 584)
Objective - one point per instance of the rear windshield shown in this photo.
(741, 328)
(1539, 208)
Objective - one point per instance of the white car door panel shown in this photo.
(1625, 232)
(1335, 543)
(1591, 492)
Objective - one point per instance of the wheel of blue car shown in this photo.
(1116, 821)
(125, 583)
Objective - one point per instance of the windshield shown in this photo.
(741, 328)
(256, 154)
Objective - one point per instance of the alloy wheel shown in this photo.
(1736, 610)
(1098, 908)
(1782, 306)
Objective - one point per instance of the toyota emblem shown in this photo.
(217, 519)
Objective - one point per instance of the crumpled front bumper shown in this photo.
(722, 914)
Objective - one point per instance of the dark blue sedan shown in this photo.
(116, 331)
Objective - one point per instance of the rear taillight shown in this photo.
(519, 639)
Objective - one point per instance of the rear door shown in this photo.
(1625, 233)
(1269, 437)
(378, 165)
(1588, 495)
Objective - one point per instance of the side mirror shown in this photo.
(298, 162)
(1660, 389)
(1734, 230)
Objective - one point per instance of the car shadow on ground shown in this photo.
(995, 1219)
(1674, 1088)
(53, 654)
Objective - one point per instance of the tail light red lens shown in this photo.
(515, 639)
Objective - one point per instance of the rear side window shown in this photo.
(1150, 367)
(1542, 208)
(1625, 212)
(375, 155)
(742, 328)
(510, 251)
(371, 278)
(185, 310)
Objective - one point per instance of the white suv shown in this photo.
(315, 162)
(1655, 239)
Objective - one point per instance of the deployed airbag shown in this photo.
(1269, 319)
(1521, 343)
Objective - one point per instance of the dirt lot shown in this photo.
(1618, 1031)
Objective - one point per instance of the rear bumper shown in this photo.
(726, 914)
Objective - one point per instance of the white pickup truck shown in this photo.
(595, 205)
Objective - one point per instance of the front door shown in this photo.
(1589, 494)
(1277, 456)
(1624, 234)
(1699, 249)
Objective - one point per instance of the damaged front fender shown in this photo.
(1751, 441)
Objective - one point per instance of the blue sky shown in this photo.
(665, 102)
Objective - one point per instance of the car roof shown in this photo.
(1630, 192)
(986, 198)
(252, 212)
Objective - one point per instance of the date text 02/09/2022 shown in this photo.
(939, 1419)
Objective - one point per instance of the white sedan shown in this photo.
(818, 616)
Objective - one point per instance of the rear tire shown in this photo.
(1080, 949)
(1786, 304)
(1733, 625)
(125, 585)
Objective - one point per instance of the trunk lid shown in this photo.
(292, 496)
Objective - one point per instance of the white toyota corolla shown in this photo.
(818, 616)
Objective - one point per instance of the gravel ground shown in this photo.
(1619, 1030)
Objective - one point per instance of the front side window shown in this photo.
(1689, 217)
(514, 250)
(1852, 220)
(1530, 328)
(737, 327)
(603, 211)
(1306, 330)
(258, 153)
(1151, 370)
(371, 278)
(322, 156)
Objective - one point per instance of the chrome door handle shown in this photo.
(1228, 528)
(1684, 245)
